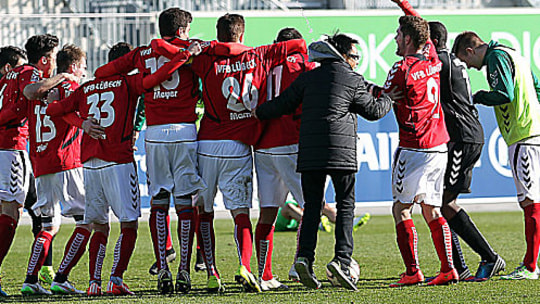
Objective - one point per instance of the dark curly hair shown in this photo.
(40, 45)
(415, 27)
(230, 27)
(118, 50)
(11, 54)
(288, 33)
(171, 19)
(68, 55)
(342, 43)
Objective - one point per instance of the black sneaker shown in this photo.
(165, 284)
(487, 270)
(304, 269)
(170, 257)
(342, 273)
(183, 282)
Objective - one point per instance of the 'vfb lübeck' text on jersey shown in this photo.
(419, 113)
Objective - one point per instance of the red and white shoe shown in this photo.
(94, 290)
(406, 280)
(118, 290)
(445, 278)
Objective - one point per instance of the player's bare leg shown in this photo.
(264, 243)
(122, 254)
(243, 235)
(462, 225)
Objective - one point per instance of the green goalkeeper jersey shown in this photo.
(515, 93)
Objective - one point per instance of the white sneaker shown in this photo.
(34, 289)
(293, 275)
(273, 284)
(64, 288)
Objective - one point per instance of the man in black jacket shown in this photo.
(331, 96)
(464, 149)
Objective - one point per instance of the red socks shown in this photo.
(123, 251)
(264, 242)
(98, 245)
(7, 231)
(169, 240)
(159, 229)
(442, 239)
(186, 232)
(407, 240)
(532, 235)
(207, 241)
(244, 239)
(75, 248)
(40, 249)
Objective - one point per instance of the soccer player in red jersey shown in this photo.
(23, 83)
(420, 160)
(55, 156)
(232, 83)
(170, 144)
(10, 58)
(276, 154)
(110, 176)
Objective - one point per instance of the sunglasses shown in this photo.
(355, 57)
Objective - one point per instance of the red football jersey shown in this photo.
(174, 100)
(419, 113)
(13, 135)
(232, 86)
(112, 101)
(54, 144)
(283, 131)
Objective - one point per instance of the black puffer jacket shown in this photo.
(330, 96)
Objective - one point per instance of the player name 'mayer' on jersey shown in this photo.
(103, 85)
(430, 70)
(236, 67)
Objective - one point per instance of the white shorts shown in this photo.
(171, 159)
(66, 187)
(15, 172)
(226, 164)
(108, 184)
(418, 175)
(277, 176)
(524, 159)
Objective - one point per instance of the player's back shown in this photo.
(112, 101)
(232, 87)
(284, 130)
(174, 100)
(14, 135)
(55, 145)
(419, 112)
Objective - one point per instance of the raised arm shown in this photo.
(121, 65)
(406, 7)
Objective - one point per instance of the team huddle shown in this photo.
(292, 115)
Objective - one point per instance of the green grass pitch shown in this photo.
(375, 250)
